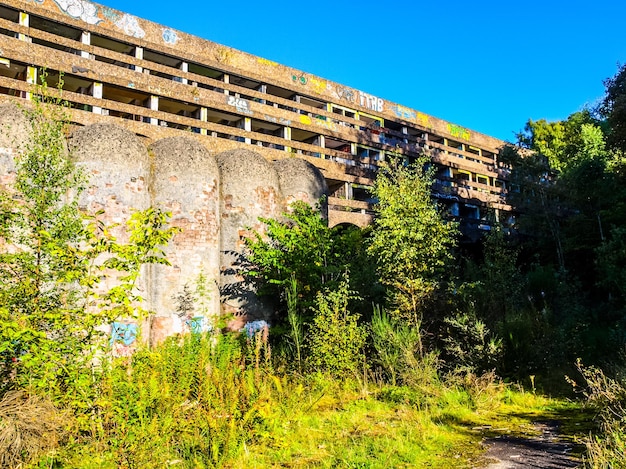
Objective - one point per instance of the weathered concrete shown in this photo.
(15, 131)
(300, 180)
(185, 181)
(250, 189)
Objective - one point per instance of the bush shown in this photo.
(336, 341)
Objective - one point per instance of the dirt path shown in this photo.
(545, 451)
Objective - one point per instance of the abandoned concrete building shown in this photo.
(221, 137)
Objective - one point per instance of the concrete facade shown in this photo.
(219, 137)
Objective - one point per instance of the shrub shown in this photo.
(336, 341)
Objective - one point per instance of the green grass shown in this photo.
(200, 405)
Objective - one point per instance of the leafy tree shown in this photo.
(411, 240)
(303, 249)
(52, 261)
(613, 107)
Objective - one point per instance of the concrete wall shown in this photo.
(215, 200)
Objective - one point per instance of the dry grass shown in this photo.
(29, 426)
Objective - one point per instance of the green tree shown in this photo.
(613, 108)
(302, 248)
(52, 261)
(411, 240)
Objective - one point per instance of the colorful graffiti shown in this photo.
(170, 36)
(79, 9)
(345, 93)
(303, 80)
(197, 324)
(123, 336)
(371, 102)
(404, 112)
(422, 119)
(240, 104)
(304, 119)
(459, 132)
(253, 327)
(130, 25)
(271, 63)
(318, 86)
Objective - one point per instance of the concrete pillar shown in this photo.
(184, 67)
(287, 136)
(226, 80)
(85, 39)
(154, 106)
(24, 21)
(204, 117)
(96, 92)
(139, 55)
(247, 126)
(263, 89)
(31, 78)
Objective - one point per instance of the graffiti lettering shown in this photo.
(371, 102)
(79, 9)
(404, 112)
(130, 25)
(170, 36)
(319, 86)
(240, 104)
(345, 93)
(459, 132)
(422, 119)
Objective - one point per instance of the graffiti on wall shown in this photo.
(459, 132)
(240, 104)
(263, 61)
(404, 112)
(345, 93)
(318, 86)
(302, 79)
(79, 9)
(371, 102)
(130, 25)
(123, 336)
(170, 36)
(422, 119)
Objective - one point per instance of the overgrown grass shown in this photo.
(207, 402)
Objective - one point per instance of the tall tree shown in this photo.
(411, 240)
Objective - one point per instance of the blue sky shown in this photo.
(485, 65)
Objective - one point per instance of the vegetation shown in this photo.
(395, 341)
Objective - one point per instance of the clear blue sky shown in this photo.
(485, 65)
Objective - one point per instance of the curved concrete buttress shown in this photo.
(250, 189)
(15, 133)
(118, 166)
(300, 180)
(185, 182)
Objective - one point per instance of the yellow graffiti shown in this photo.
(267, 62)
(305, 119)
(422, 119)
(459, 132)
(223, 55)
(319, 86)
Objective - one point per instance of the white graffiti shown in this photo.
(371, 102)
(240, 104)
(80, 9)
(130, 26)
(170, 36)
